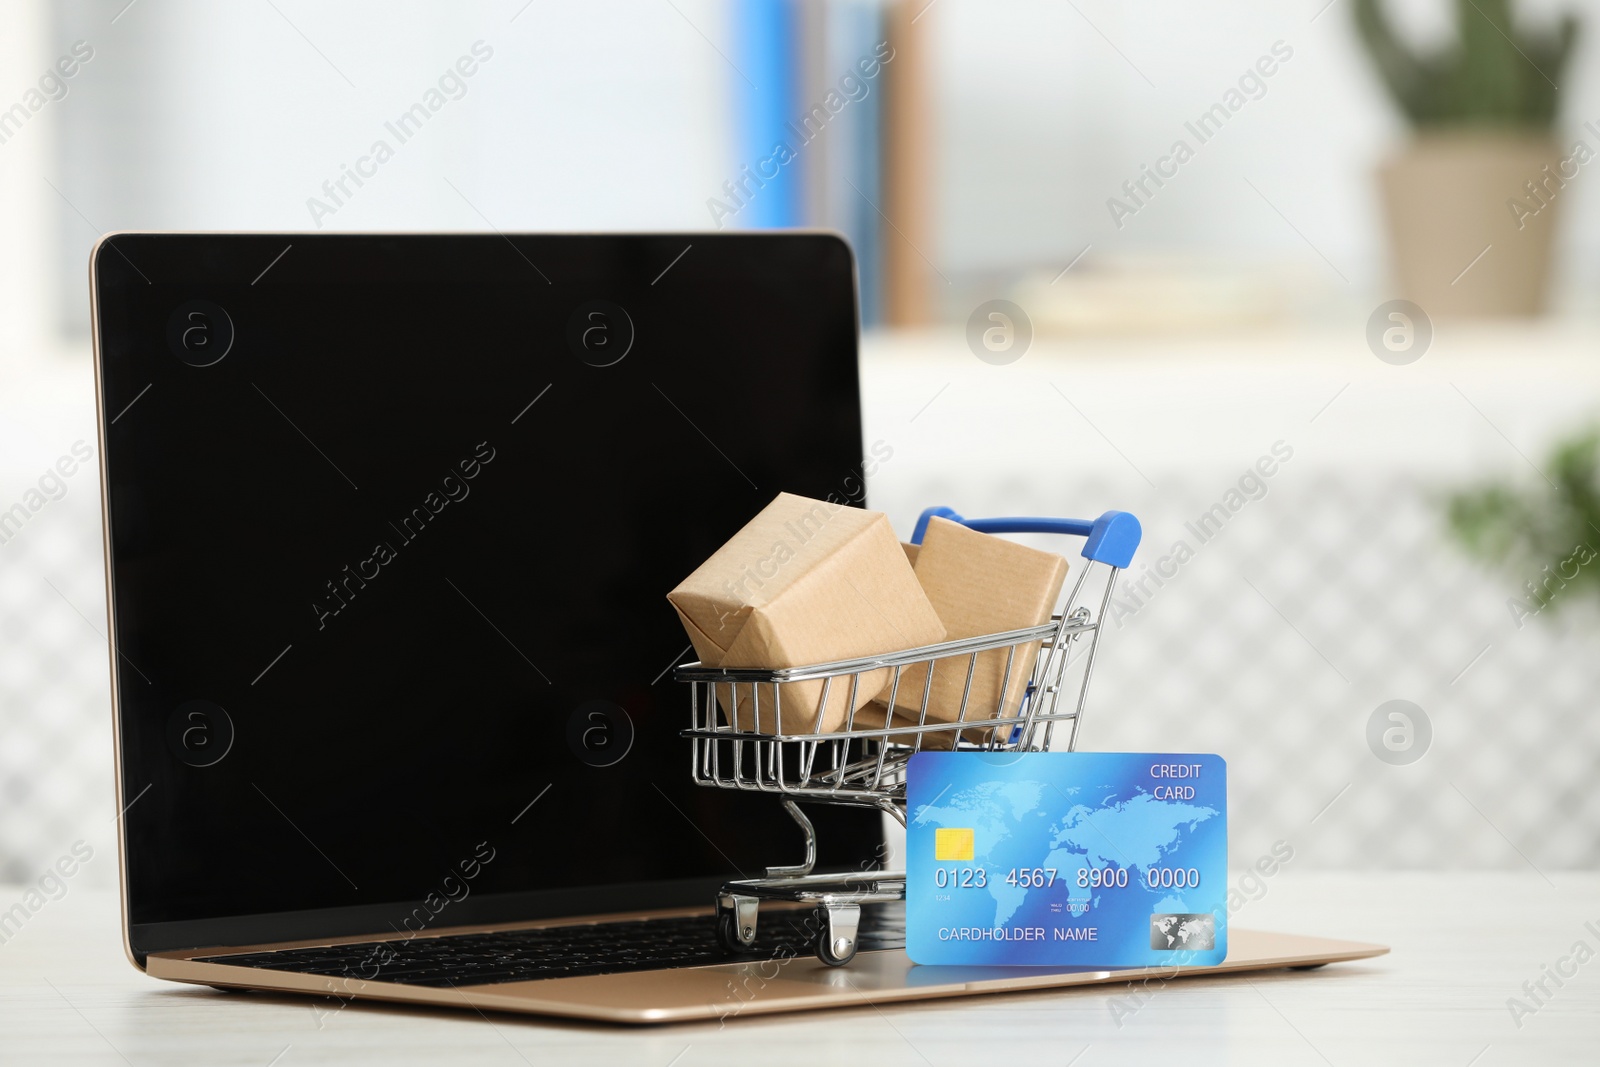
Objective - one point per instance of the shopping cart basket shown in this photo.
(863, 764)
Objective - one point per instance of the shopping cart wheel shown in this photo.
(836, 933)
(736, 921)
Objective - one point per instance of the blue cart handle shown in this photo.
(1110, 539)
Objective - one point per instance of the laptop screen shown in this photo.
(391, 521)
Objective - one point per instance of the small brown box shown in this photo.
(979, 584)
(805, 581)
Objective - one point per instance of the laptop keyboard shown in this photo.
(562, 951)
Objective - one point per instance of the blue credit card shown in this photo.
(1067, 859)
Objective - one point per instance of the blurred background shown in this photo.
(1111, 256)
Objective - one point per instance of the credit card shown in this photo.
(1067, 859)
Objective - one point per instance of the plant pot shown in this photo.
(1449, 197)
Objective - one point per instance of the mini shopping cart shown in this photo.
(863, 764)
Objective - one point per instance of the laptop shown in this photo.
(389, 524)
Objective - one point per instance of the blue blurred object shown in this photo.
(808, 125)
(767, 54)
(854, 165)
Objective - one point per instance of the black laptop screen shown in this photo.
(391, 524)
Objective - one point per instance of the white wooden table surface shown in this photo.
(1464, 943)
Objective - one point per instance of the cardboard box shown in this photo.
(978, 584)
(875, 716)
(804, 582)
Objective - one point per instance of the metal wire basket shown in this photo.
(863, 763)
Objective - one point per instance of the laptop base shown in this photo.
(734, 990)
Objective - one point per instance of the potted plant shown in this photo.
(1471, 201)
(1548, 536)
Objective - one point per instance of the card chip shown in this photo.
(952, 844)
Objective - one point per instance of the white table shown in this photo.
(1463, 943)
